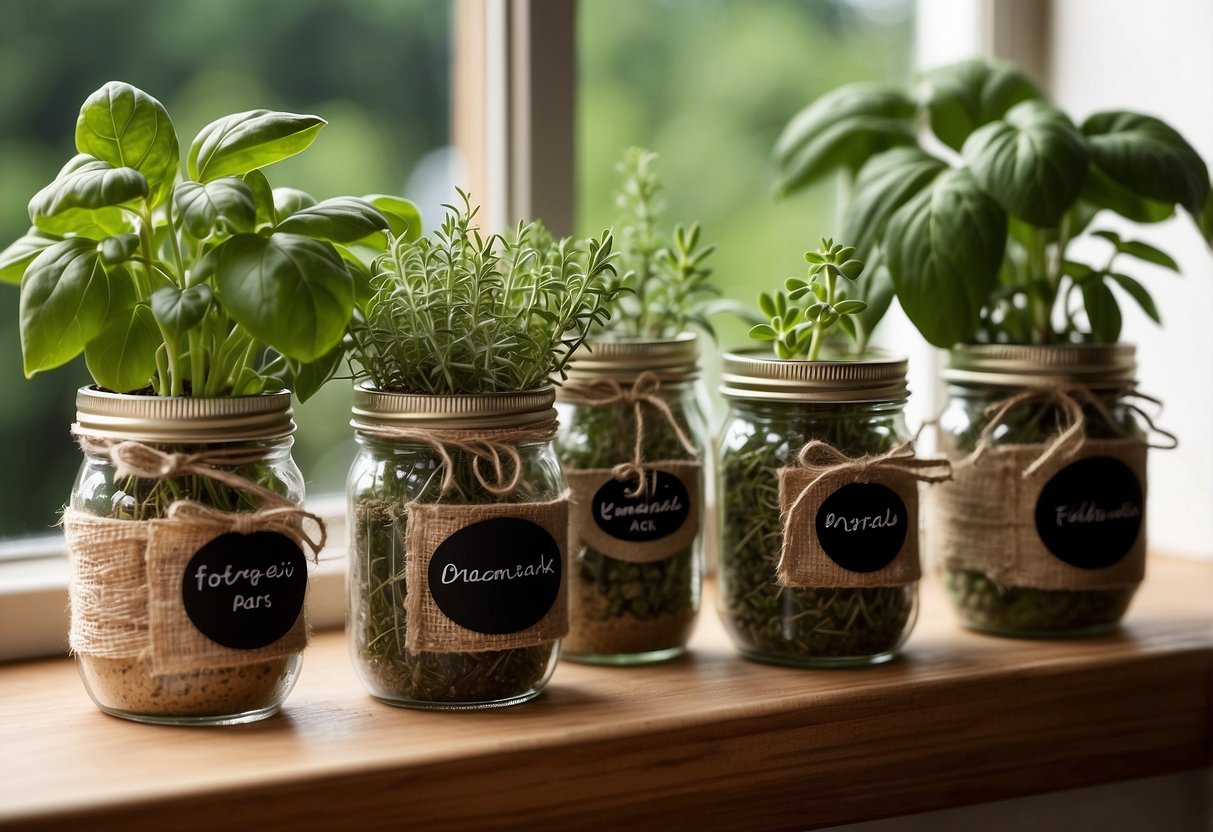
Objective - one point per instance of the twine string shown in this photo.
(645, 391)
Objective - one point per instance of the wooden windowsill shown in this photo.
(711, 740)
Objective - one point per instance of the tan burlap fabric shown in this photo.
(985, 519)
(125, 586)
(585, 531)
(822, 470)
(429, 629)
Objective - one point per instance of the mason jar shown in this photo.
(1042, 532)
(632, 441)
(165, 530)
(818, 534)
(458, 556)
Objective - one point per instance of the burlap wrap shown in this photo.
(821, 471)
(985, 519)
(125, 584)
(585, 531)
(429, 525)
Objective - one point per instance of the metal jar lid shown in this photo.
(1025, 365)
(874, 378)
(672, 360)
(183, 418)
(464, 411)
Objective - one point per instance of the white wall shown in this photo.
(1156, 57)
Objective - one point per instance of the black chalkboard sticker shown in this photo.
(659, 513)
(1089, 513)
(862, 526)
(497, 576)
(245, 591)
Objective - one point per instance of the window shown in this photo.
(378, 70)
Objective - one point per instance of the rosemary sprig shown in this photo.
(460, 312)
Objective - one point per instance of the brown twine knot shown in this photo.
(1073, 436)
(824, 460)
(282, 519)
(645, 390)
(136, 459)
(491, 448)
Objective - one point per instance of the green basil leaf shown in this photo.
(122, 357)
(291, 292)
(1100, 192)
(1148, 253)
(23, 250)
(961, 97)
(343, 219)
(118, 249)
(263, 196)
(1033, 163)
(842, 128)
(180, 310)
(65, 296)
(224, 205)
(289, 201)
(876, 290)
(126, 127)
(241, 142)
(884, 184)
(1139, 293)
(945, 249)
(306, 379)
(87, 192)
(360, 271)
(1103, 312)
(1148, 157)
(1205, 220)
(403, 215)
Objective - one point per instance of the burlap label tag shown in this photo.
(644, 529)
(507, 579)
(126, 594)
(986, 519)
(866, 526)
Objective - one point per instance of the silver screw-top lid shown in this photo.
(873, 378)
(183, 418)
(1024, 365)
(464, 411)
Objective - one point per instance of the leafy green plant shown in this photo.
(970, 221)
(667, 285)
(458, 312)
(207, 284)
(798, 331)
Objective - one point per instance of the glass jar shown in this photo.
(1061, 549)
(776, 409)
(149, 647)
(458, 516)
(637, 558)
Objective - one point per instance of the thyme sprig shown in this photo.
(798, 330)
(666, 285)
(461, 312)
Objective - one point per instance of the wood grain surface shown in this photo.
(710, 740)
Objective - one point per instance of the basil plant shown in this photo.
(966, 194)
(210, 283)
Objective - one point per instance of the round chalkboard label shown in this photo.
(1089, 513)
(245, 591)
(497, 576)
(862, 526)
(659, 513)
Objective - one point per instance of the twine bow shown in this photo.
(277, 513)
(491, 448)
(645, 390)
(824, 460)
(1071, 400)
